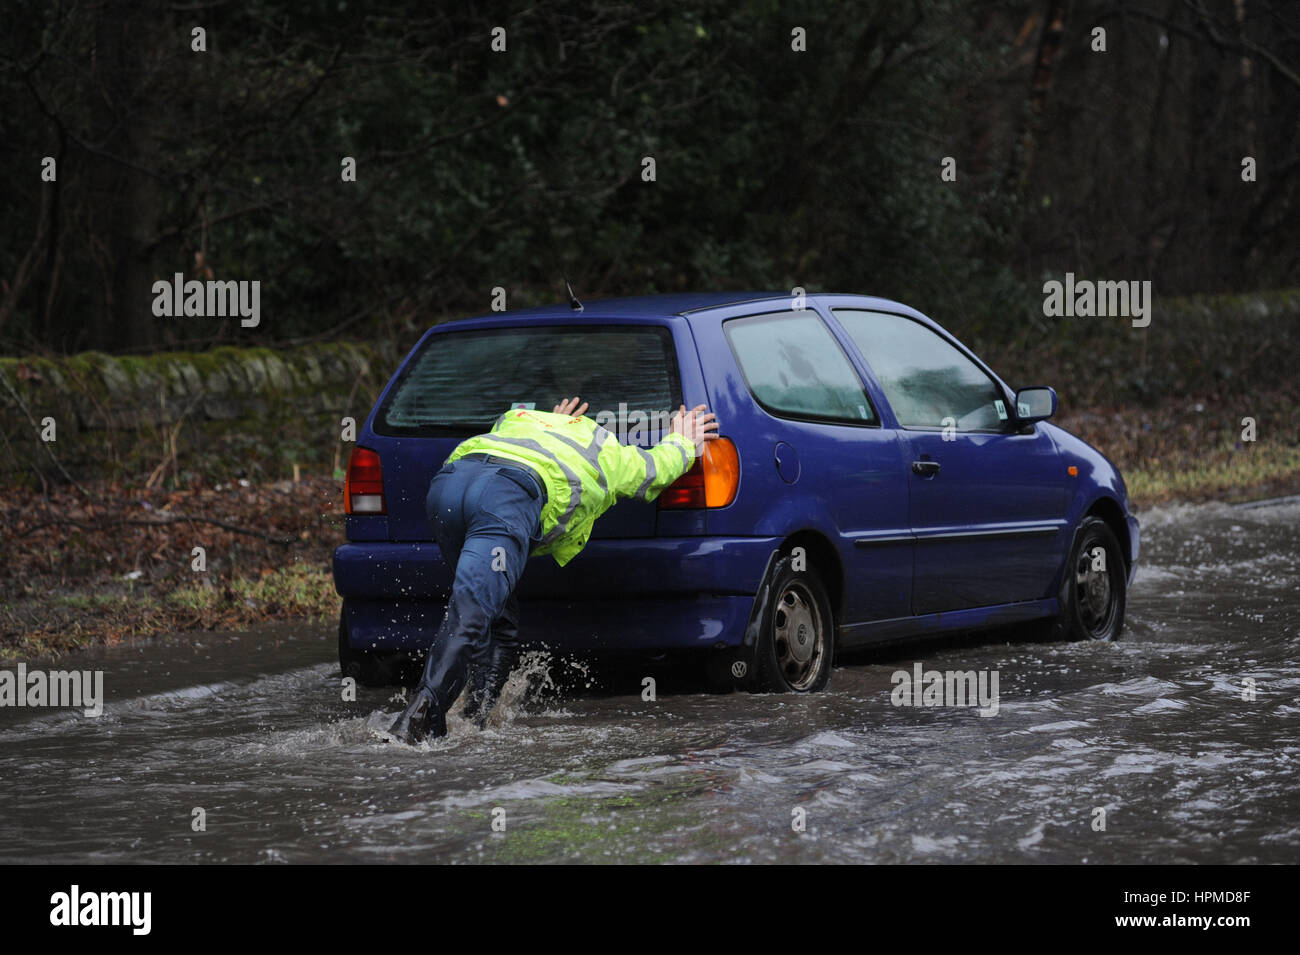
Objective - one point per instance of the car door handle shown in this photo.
(925, 468)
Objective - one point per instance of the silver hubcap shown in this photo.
(799, 636)
(1093, 592)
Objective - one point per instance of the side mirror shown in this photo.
(1035, 404)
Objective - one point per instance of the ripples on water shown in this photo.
(1153, 730)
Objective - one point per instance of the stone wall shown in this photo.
(229, 412)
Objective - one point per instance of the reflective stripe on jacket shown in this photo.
(585, 468)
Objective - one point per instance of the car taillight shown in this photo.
(711, 481)
(363, 488)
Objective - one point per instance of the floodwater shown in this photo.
(1147, 750)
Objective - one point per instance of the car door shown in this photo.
(814, 453)
(986, 498)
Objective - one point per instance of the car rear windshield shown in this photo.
(460, 382)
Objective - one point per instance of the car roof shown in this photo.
(685, 304)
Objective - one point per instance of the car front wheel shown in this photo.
(1094, 591)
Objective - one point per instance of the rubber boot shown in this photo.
(475, 691)
(423, 717)
(488, 682)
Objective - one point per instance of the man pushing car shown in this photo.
(534, 484)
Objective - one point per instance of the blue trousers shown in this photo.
(486, 518)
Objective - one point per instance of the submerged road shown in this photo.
(249, 735)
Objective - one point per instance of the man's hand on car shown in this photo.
(696, 425)
(570, 406)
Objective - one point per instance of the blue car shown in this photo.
(875, 481)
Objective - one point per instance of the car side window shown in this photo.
(929, 382)
(794, 367)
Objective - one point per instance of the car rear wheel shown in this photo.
(1094, 591)
(367, 667)
(796, 643)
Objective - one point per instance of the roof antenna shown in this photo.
(573, 299)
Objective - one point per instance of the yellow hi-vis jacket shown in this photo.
(584, 467)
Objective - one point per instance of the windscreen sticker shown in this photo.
(1001, 408)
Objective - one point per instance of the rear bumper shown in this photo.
(695, 622)
(651, 594)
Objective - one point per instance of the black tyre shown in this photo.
(1094, 590)
(796, 644)
(367, 667)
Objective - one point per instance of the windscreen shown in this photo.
(462, 381)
